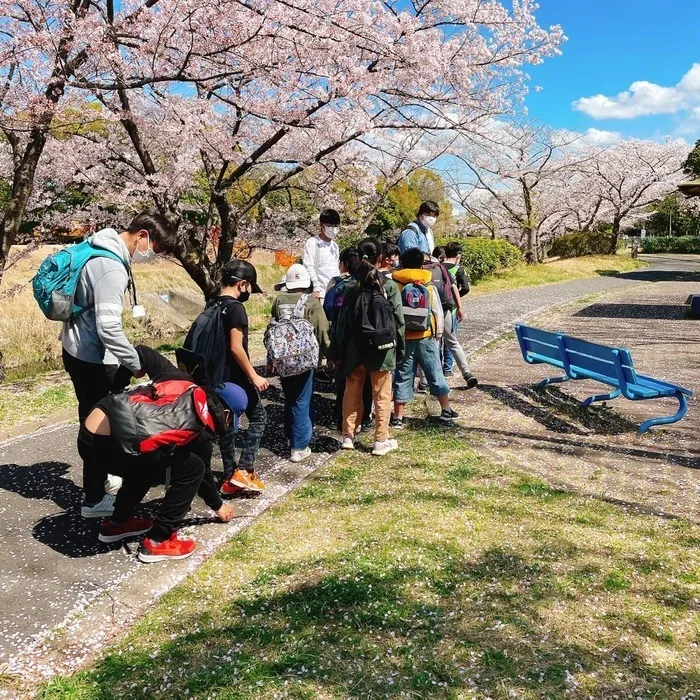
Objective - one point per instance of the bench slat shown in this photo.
(535, 347)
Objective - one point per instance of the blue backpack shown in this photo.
(57, 278)
(334, 299)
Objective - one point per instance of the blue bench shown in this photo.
(580, 359)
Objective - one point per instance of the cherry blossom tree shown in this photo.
(510, 178)
(631, 175)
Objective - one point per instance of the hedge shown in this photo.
(671, 244)
(575, 245)
(483, 256)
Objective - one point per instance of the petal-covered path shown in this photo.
(62, 594)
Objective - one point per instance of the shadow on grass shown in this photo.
(427, 622)
(558, 411)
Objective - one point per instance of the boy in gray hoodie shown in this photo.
(94, 344)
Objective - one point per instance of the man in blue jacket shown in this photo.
(419, 233)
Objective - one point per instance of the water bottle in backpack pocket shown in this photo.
(56, 280)
(415, 303)
(291, 342)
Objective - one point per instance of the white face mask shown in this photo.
(331, 231)
(147, 255)
(429, 221)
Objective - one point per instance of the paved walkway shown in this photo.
(58, 583)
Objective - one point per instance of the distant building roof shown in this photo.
(692, 188)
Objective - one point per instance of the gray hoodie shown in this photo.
(97, 335)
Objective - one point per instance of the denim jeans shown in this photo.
(298, 409)
(423, 353)
(257, 419)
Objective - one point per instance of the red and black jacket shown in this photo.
(169, 412)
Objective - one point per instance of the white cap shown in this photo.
(297, 278)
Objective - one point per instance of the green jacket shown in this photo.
(344, 346)
(313, 313)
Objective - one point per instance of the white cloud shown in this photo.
(643, 98)
(600, 137)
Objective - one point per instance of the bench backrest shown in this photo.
(534, 341)
(574, 353)
(602, 360)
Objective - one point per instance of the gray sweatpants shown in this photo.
(452, 342)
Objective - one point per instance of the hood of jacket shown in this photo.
(412, 275)
(109, 239)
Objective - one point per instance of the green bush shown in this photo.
(671, 244)
(575, 245)
(483, 256)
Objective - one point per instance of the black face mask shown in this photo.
(243, 297)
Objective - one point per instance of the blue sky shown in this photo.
(613, 44)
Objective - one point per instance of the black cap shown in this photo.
(240, 271)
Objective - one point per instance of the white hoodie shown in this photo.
(97, 335)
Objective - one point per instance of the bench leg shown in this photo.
(553, 380)
(601, 397)
(682, 410)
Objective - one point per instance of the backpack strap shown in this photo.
(299, 306)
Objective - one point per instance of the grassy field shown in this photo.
(558, 271)
(29, 342)
(427, 574)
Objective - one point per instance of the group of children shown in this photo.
(381, 316)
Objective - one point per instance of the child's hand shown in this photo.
(225, 513)
(260, 383)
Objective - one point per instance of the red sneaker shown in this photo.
(109, 532)
(172, 548)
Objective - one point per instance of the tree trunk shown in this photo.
(615, 236)
(531, 252)
(22, 185)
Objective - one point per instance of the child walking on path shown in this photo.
(368, 340)
(421, 349)
(298, 388)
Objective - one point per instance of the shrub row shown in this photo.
(671, 244)
(483, 256)
(575, 245)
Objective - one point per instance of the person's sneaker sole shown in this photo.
(109, 539)
(153, 558)
(96, 514)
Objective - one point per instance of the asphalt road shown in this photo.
(53, 565)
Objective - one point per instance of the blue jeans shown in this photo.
(423, 353)
(298, 409)
(448, 359)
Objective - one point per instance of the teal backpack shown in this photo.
(57, 278)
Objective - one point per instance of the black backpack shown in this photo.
(375, 324)
(203, 355)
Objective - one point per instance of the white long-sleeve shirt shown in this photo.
(321, 258)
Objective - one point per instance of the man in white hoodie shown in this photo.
(321, 253)
(94, 344)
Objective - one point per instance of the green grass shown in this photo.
(428, 574)
(32, 400)
(558, 271)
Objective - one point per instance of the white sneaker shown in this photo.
(112, 484)
(300, 455)
(348, 443)
(103, 509)
(383, 448)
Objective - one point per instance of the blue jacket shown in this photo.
(413, 236)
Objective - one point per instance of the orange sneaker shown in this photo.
(241, 478)
(255, 480)
(172, 548)
(228, 489)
